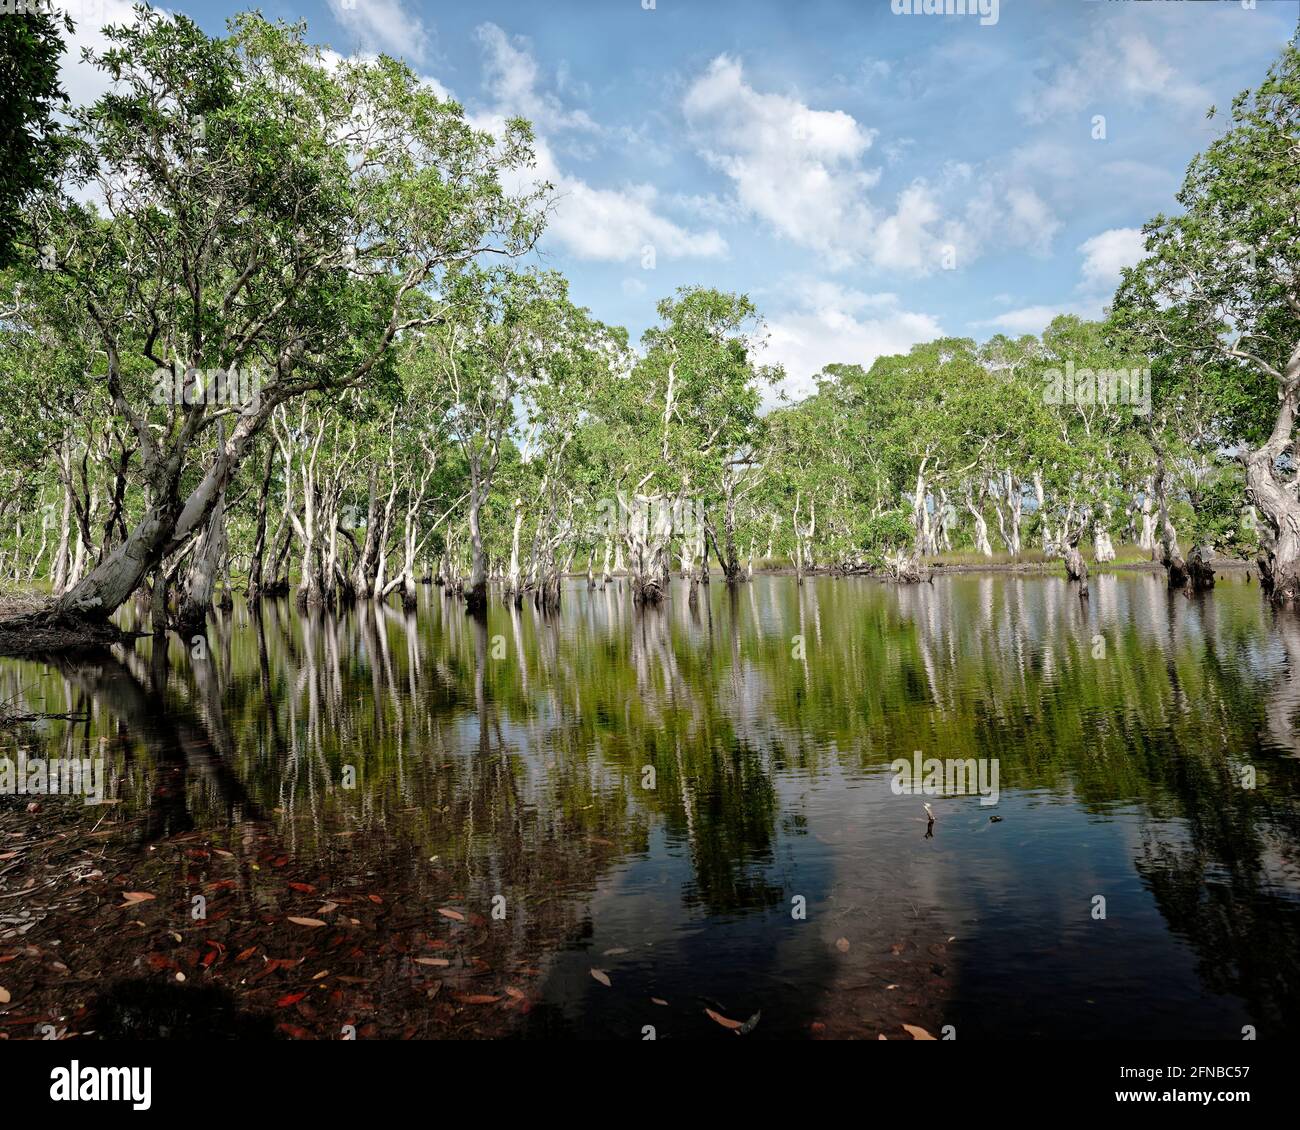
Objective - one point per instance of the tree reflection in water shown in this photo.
(663, 783)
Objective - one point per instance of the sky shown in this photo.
(871, 178)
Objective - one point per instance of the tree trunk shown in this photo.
(476, 592)
(363, 575)
(982, 544)
(1103, 549)
(1076, 568)
(201, 578)
(1171, 556)
(253, 593)
(513, 589)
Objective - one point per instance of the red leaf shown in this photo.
(725, 1021)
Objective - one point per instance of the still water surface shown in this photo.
(656, 794)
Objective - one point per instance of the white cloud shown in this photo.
(383, 25)
(511, 74)
(797, 168)
(1031, 319)
(1107, 254)
(1104, 256)
(1115, 62)
(621, 224)
(803, 172)
(828, 324)
(82, 81)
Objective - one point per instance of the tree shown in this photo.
(687, 419)
(1217, 297)
(30, 137)
(267, 212)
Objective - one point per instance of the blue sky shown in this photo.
(871, 179)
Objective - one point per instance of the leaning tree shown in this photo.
(259, 207)
(1217, 299)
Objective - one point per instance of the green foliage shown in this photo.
(30, 137)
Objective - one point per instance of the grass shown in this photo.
(14, 601)
(1125, 554)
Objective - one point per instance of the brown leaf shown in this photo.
(136, 896)
(288, 999)
(476, 998)
(726, 1022)
(917, 1033)
(302, 888)
(4, 995)
(306, 921)
(454, 915)
(602, 977)
(439, 962)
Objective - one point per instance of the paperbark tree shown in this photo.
(268, 213)
(1217, 299)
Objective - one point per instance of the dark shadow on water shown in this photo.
(152, 1010)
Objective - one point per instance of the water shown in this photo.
(654, 795)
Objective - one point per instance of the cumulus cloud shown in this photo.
(383, 25)
(1033, 319)
(624, 224)
(804, 172)
(797, 168)
(826, 323)
(1115, 61)
(1107, 254)
(510, 72)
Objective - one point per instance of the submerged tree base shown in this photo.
(907, 570)
(1280, 583)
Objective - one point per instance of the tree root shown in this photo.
(49, 632)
